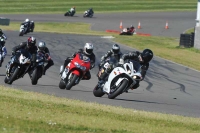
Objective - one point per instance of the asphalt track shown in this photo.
(167, 88)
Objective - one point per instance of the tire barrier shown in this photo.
(187, 40)
(4, 21)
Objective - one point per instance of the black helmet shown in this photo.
(147, 55)
(31, 42)
(116, 48)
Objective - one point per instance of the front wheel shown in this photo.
(34, 78)
(6, 79)
(21, 33)
(71, 81)
(118, 89)
(62, 84)
(66, 14)
(98, 92)
(14, 76)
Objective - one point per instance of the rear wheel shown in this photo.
(118, 89)
(71, 81)
(98, 92)
(13, 76)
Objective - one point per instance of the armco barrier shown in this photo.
(4, 21)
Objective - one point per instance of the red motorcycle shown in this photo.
(74, 71)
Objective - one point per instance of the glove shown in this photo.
(121, 61)
(140, 58)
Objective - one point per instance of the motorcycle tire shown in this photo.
(98, 92)
(119, 89)
(62, 84)
(13, 76)
(71, 81)
(34, 78)
(66, 14)
(6, 79)
(21, 33)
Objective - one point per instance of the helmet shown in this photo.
(147, 55)
(132, 26)
(116, 48)
(31, 42)
(88, 48)
(41, 45)
(27, 20)
(74, 7)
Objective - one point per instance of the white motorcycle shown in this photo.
(120, 80)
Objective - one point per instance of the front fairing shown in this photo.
(80, 63)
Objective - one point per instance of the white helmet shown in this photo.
(41, 45)
(88, 48)
(27, 20)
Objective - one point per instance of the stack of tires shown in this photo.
(187, 40)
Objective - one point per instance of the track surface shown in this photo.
(167, 88)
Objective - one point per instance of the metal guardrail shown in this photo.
(4, 21)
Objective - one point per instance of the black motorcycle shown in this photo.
(68, 13)
(36, 72)
(18, 66)
(88, 14)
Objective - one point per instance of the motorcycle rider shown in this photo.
(27, 23)
(87, 51)
(43, 48)
(143, 58)
(115, 52)
(2, 34)
(3, 51)
(90, 11)
(72, 10)
(30, 25)
(131, 30)
(30, 46)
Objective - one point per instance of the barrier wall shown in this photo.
(4, 21)
(197, 38)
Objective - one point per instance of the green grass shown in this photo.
(61, 6)
(30, 112)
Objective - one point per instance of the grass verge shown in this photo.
(39, 113)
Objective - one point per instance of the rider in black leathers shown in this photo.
(43, 48)
(88, 51)
(143, 58)
(30, 46)
(115, 52)
(90, 11)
